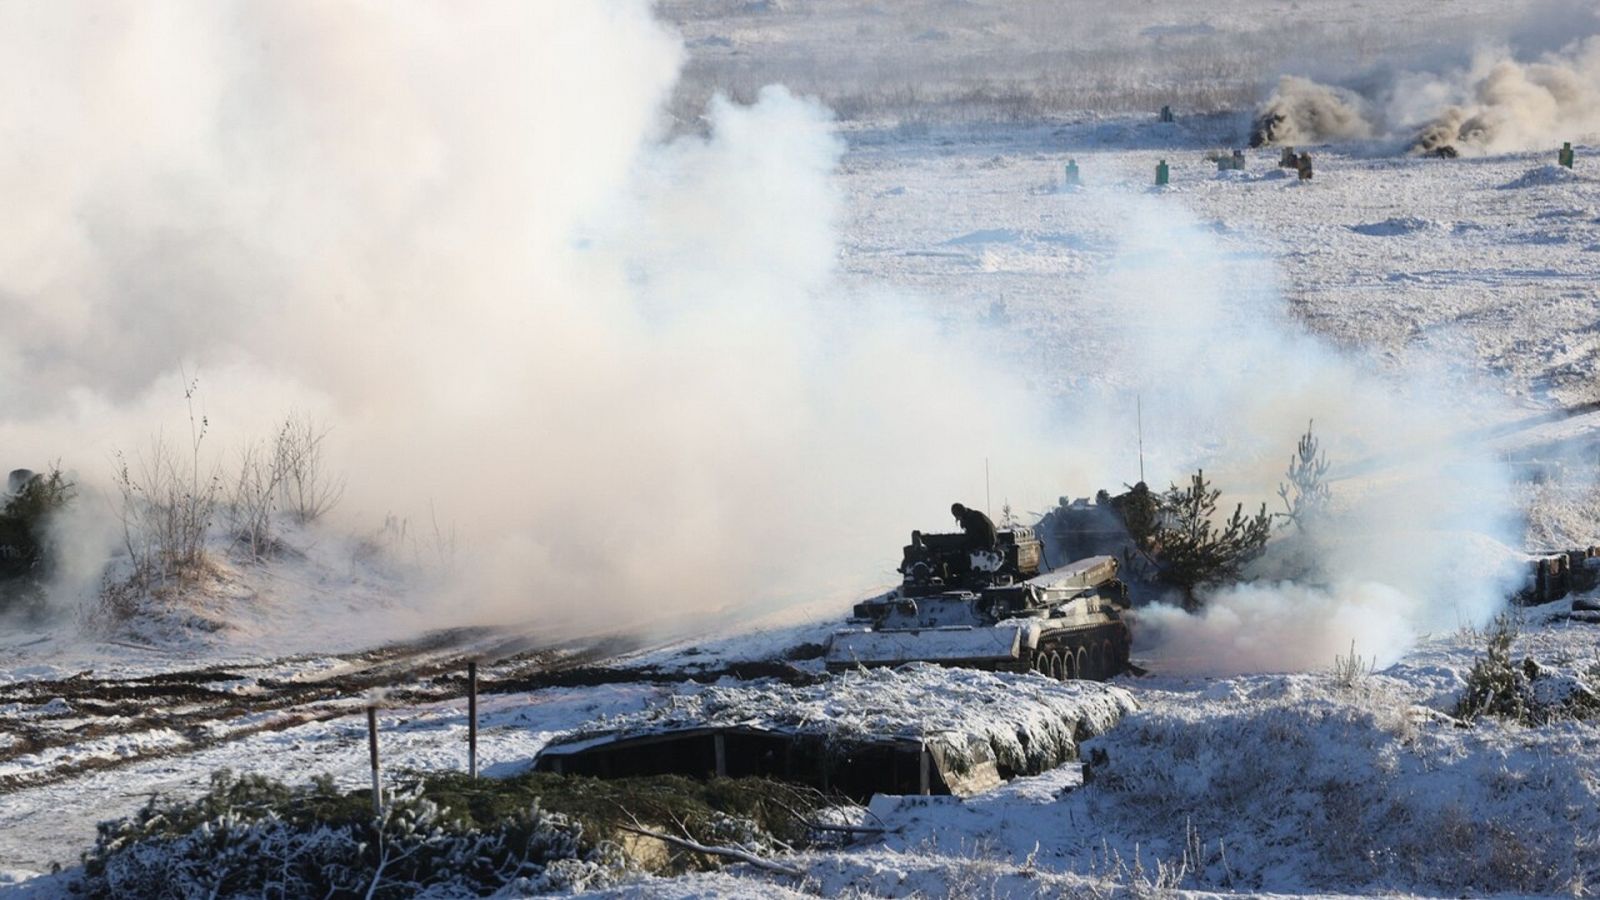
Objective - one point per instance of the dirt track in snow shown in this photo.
(61, 727)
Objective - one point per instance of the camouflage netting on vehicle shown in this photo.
(1032, 723)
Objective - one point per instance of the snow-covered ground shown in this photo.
(1275, 783)
(1491, 259)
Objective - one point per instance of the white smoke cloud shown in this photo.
(614, 365)
(622, 368)
(1497, 103)
(1228, 382)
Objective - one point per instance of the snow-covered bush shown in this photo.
(254, 498)
(287, 474)
(168, 505)
(446, 835)
(1526, 692)
(1495, 687)
(308, 489)
(249, 836)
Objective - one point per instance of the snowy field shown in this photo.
(1439, 318)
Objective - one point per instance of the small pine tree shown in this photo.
(1191, 550)
(25, 518)
(1305, 495)
(1495, 686)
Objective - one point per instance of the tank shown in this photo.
(998, 609)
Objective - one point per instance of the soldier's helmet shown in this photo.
(18, 479)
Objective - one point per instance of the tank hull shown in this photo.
(1094, 652)
(1066, 623)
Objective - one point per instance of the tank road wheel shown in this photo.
(1093, 671)
(1068, 670)
(1041, 664)
(1055, 666)
(1083, 661)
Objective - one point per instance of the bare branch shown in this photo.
(729, 852)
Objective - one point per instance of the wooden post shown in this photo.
(924, 782)
(372, 746)
(472, 719)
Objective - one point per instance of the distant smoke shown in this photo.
(1496, 104)
(1500, 105)
(1301, 111)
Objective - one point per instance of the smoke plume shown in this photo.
(1497, 103)
(1301, 111)
(613, 364)
(1423, 511)
(621, 367)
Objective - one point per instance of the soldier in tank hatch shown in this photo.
(977, 527)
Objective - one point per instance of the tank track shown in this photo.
(1093, 654)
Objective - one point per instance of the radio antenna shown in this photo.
(1138, 405)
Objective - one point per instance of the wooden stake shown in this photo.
(472, 719)
(372, 746)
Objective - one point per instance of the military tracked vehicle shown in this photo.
(960, 604)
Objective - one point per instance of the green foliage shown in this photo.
(25, 556)
(1189, 547)
(25, 518)
(1495, 686)
(603, 806)
(1529, 692)
(251, 836)
(446, 835)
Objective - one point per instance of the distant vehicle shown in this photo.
(992, 608)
